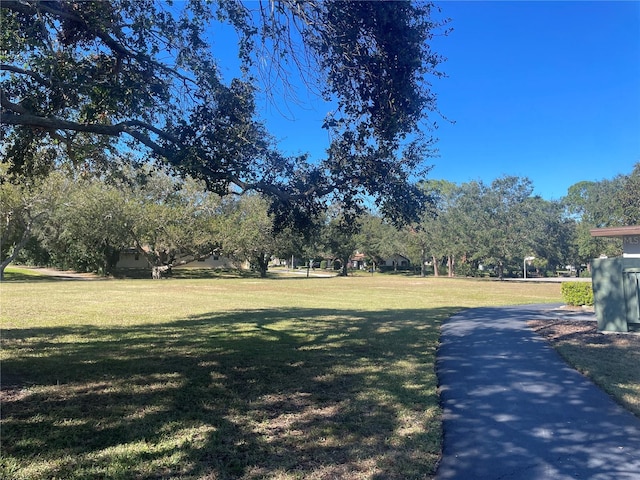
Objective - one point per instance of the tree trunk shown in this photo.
(112, 257)
(345, 267)
(16, 250)
(501, 270)
(157, 272)
(262, 262)
(436, 272)
(423, 260)
(450, 265)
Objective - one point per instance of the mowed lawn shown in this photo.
(279, 378)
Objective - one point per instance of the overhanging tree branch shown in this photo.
(55, 124)
(37, 77)
(136, 69)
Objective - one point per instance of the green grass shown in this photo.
(20, 274)
(288, 378)
(614, 367)
(612, 361)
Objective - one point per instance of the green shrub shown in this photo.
(577, 293)
(465, 270)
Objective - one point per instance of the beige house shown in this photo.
(133, 259)
(358, 260)
(397, 260)
(212, 261)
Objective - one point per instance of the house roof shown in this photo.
(615, 231)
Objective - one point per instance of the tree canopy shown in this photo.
(72, 220)
(628, 199)
(595, 204)
(86, 79)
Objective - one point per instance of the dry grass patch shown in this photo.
(611, 360)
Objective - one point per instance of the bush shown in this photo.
(465, 270)
(577, 293)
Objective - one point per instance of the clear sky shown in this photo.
(546, 90)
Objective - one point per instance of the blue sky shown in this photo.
(546, 90)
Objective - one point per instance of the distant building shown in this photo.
(131, 258)
(397, 261)
(359, 261)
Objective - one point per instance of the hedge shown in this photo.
(577, 293)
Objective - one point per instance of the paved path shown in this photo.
(514, 410)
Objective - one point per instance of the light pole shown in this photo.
(524, 267)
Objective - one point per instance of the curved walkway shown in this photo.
(514, 410)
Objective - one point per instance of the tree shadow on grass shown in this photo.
(18, 277)
(296, 393)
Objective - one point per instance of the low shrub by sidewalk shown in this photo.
(577, 294)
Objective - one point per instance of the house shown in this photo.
(213, 261)
(359, 261)
(396, 261)
(131, 258)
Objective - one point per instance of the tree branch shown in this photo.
(36, 76)
(116, 47)
(22, 117)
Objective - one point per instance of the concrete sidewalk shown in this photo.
(514, 410)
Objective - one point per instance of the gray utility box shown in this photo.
(616, 290)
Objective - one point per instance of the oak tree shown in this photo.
(141, 76)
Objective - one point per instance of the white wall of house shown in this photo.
(133, 259)
(398, 260)
(213, 261)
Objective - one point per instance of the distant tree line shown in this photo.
(120, 131)
(83, 221)
(475, 228)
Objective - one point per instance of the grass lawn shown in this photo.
(611, 360)
(23, 274)
(279, 378)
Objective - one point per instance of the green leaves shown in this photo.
(577, 293)
(496, 224)
(141, 75)
(629, 198)
(605, 203)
